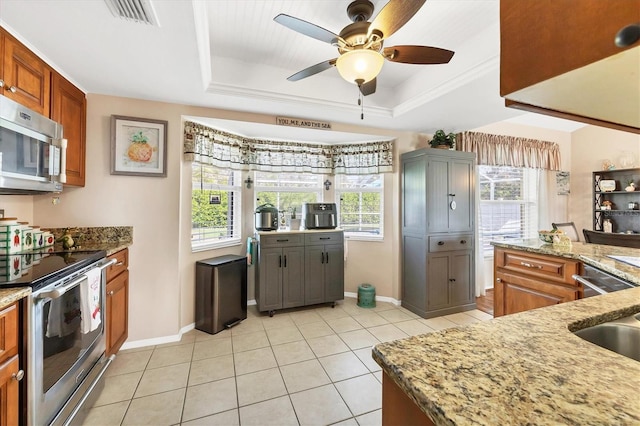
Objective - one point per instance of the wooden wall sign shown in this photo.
(300, 122)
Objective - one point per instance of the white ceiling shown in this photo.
(230, 54)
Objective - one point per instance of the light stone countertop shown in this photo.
(300, 231)
(11, 295)
(527, 368)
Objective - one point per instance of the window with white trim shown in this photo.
(288, 191)
(508, 204)
(361, 205)
(215, 207)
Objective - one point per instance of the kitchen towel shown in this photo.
(90, 300)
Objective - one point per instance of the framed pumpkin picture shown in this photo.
(138, 146)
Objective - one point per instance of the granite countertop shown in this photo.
(11, 295)
(591, 254)
(521, 369)
(111, 239)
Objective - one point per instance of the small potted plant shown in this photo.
(294, 223)
(442, 140)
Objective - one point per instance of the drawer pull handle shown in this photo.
(529, 265)
(440, 243)
(325, 238)
(463, 241)
(119, 264)
(18, 376)
(452, 195)
(279, 261)
(453, 280)
(282, 241)
(285, 260)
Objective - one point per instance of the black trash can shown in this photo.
(221, 292)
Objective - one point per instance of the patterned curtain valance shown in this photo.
(222, 149)
(497, 150)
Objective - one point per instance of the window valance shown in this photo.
(498, 150)
(222, 149)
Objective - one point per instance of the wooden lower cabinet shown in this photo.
(10, 373)
(117, 305)
(524, 281)
(398, 409)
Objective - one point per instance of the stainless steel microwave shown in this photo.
(32, 151)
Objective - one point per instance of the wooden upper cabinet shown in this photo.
(27, 79)
(560, 58)
(68, 107)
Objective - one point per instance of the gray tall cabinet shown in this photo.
(438, 220)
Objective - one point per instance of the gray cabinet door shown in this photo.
(414, 202)
(292, 277)
(438, 281)
(460, 289)
(437, 194)
(461, 183)
(314, 275)
(270, 284)
(334, 273)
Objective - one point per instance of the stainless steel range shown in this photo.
(65, 331)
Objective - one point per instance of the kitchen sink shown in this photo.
(621, 336)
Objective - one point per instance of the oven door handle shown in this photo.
(57, 292)
(589, 284)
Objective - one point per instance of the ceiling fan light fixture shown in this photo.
(360, 64)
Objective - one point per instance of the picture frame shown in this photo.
(138, 146)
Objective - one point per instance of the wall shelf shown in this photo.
(622, 218)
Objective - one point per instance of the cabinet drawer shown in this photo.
(8, 332)
(283, 240)
(450, 242)
(549, 268)
(324, 238)
(122, 263)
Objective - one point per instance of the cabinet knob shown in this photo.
(18, 376)
(440, 243)
(463, 241)
(111, 293)
(119, 264)
(1, 83)
(498, 280)
(452, 195)
(452, 280)
(13, 89)
(628, 35)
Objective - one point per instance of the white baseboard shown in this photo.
(187, 328)
(378, 298)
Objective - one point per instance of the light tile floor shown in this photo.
(307, 366)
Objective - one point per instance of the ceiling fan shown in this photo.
(360, 43)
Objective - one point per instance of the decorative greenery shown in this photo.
(293, 213)
(441, 138)
(139, 138)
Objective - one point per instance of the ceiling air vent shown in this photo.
(141, 11)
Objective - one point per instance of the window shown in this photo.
(215, 207)
(508, 204)
(360, 205)
(287, 191)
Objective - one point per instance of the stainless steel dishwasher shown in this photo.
(597, 281)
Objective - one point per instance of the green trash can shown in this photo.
(366, 296)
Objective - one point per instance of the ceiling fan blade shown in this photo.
(312, 70)
(368, 88)
(394, 15)
(417, 54)
(307, 28)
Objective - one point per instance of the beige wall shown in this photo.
(20, 206)
(590, 146)
(162, 271)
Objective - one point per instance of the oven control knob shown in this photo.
(18, 376)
